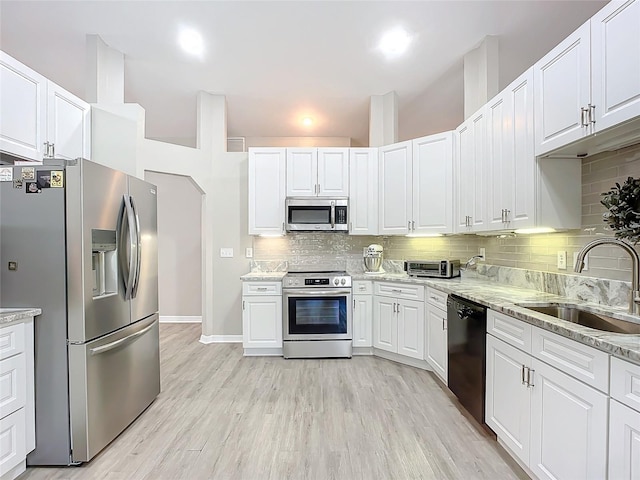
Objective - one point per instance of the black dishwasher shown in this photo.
(466, 338)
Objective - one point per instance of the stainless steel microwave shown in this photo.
(317, 214)
(433, 268)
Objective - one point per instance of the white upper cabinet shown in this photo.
(470, 171)
(363, 191)
(589, 83)
(302, 172)
(315, 172)
(395, 187)
(511, 163)
(333, 172)
(432, 208)
(23, 100)
(615, 63)
(266, 191)
(38, 118)
(563, 92)
(68, 124)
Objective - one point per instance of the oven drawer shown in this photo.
(261, 288)
(395, 290)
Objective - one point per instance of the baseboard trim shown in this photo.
(207, 339)
(357, 351)
(180, 319)
(263, 352)
(394, 357)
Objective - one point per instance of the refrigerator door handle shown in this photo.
(117, 343)
(136, 282)
(127, 267)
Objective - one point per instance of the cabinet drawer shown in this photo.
(11, 340)
(13, 384)
(12, 440)
(580, 361)
(261, 288)
(410, 292)
(625, 382)
(437, 298)
(511, 330)
(362, 287)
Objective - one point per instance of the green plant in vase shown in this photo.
(623, 209)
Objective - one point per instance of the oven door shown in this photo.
(310, 314)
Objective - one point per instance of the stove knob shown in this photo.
(297, 281)
(290, 281)
(342, 281)
(336, 282)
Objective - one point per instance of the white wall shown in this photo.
(179, 246)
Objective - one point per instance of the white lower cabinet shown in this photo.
(398, 323)
(17, 412)
(568, 427)
(508, 402)
(262, 318)
(624, 442)
(362, 314)
(436, 353)
(552, 421)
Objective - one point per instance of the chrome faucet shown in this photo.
(634, 301)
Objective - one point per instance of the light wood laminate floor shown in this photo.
(224, 416)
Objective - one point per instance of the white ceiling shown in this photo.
(277, 61)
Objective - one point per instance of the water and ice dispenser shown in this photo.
(104, 263)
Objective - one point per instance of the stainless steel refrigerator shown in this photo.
(79, 241)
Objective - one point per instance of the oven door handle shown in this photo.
(309, 292)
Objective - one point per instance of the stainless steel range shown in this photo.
(317, 319)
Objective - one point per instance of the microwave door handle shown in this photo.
(333, 214)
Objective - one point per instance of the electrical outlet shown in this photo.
(226, 252)
(562, 260)
(482, 254)
(586, 261)
(248, 252)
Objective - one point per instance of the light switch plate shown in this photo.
(226, 252)
(562, 260)
(248, 252)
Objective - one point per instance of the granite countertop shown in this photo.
(263, 276)
(504, 298)
(11, 315)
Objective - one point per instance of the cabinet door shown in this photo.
(471, 173)
(436, 341)
(508, 399)
(262, 322)
(499, 161)
(266, 190)
(624, 442)
(362, 320)
(385, 324)
(521, 155)
(563, 88)
(395, 188)
(433, 184)
(363, 191)
(68, 123)
(615, 63)
(302, 172)
(23, 100)
(333, 172)
(568, 427)
(411, 328)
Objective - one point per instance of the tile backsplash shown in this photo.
(530, 252)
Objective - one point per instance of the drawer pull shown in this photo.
(262, 289)
(396, 290)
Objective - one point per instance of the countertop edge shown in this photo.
(15, 315)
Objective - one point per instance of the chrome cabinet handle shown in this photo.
(318, 189)
(396, 290)
(444, 327)
(523, 375)
(242, 304)
(530, 377)
(261, 289)
(584, 111)
(413, 225)
(282, 227)
(592, 114)
(409, 225)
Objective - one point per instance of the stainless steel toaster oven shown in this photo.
(432, 268)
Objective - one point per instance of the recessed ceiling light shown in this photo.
(394, 42)
(191, 41)
(307, 121)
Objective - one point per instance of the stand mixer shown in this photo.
(372, 257)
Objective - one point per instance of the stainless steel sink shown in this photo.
(574, 314)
